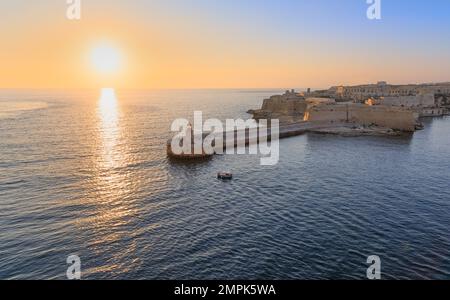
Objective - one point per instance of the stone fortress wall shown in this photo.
(426, 99)
(393, 106)
(288, 108)
(290, 102)
(382, 89)
(421, 100)
(383, 116)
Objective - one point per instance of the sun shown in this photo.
(106, 59)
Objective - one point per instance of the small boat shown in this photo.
(224, 176)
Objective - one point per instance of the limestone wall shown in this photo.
(327, 113)
(284, 105)
(382, 89)
(390, 117)
(426, 100)
(289, 107)
(313, 101)
(400, 119)
(433, 112)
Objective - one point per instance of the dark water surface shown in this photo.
(89, 176)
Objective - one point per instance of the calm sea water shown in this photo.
(88, 175)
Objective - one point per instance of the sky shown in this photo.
(224, 43)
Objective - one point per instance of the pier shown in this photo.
(285, 131)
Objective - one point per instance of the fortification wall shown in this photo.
(382, 89)
(327, 113)
(426, 100)
(284, 105)
(400, 119)
(390, 117)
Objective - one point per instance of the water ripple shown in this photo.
(92, 178)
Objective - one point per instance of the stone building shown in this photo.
(361, 93)
(417, 101)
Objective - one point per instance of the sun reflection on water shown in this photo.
(120, 176)
(113, 187)
(109, 127)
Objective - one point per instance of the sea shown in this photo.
(85, 173)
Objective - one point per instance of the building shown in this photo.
(361, 93)
(417, 101)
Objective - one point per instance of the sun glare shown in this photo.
(106, 59)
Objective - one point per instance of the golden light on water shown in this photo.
(109, 126)
(115, 184)
(108, 102)
(112, 188)
(108, 107)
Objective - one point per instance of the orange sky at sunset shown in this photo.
(163, 47)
